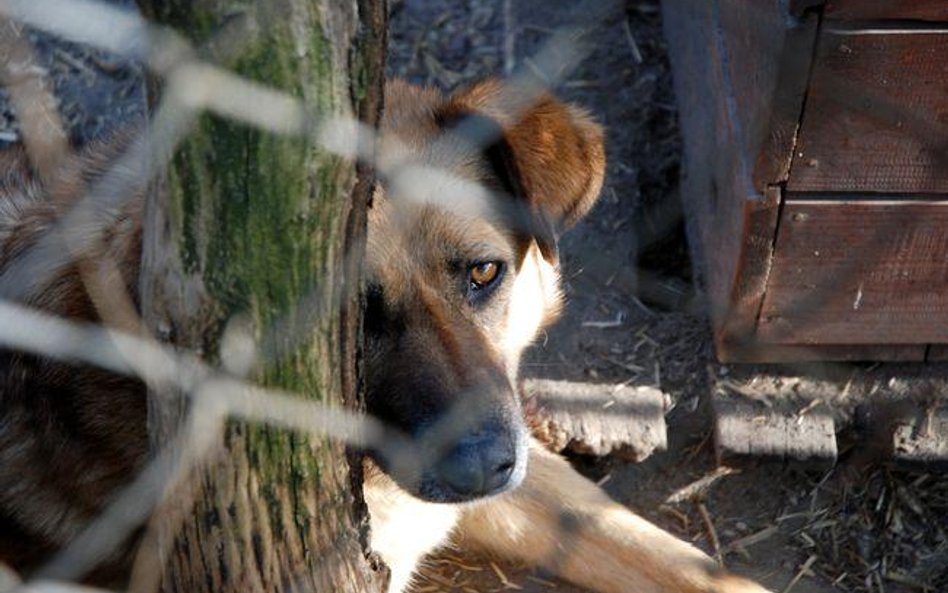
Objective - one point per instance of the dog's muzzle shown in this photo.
(480, 464)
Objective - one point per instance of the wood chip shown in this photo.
(753, 538)
(633, 46)
(698, 489)
(681, 517)
(508, 584)
(804, 570)
(712, 532)
(902, 579)
(807, 408)
(607, 324)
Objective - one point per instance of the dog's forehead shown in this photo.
(432, 208)
(408, 239)
(416, 152)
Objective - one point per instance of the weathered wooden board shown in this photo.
(755, 351)
(597, 419)
(740, 70)
(764, 64)
(743, 428)
(858, 272)
(776, 153)
(922, 438)
(876, 117)
(735, 330)
(923, 10)
(937, 353)
(859, 115)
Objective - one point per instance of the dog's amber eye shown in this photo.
(482, 278)
(483, 274)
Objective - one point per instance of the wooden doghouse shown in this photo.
(815, 173)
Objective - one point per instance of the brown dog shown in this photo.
(457, 291)
(462, 274)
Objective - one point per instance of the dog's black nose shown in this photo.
(479, 464)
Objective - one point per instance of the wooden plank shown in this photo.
(746, 429)
(597, 419)
(711, 155)
(856, 272)
(766, 57)
(755, 351)
(727, 57)
(937, 353)
(776, 154)
(876, 118)
(921, 10)
(922, 438)
(753, 268)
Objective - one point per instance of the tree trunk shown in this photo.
(251, 233)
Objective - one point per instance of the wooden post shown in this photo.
(264, 233)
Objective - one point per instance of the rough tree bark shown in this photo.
(265, 229)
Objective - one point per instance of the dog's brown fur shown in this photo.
(69, 436)
(436, 343)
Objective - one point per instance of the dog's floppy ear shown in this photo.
(547, 154)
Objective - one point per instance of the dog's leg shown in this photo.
(404, 528)
(561, 520)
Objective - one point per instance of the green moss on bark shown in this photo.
(260, 220)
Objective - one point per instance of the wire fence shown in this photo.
(192, 86)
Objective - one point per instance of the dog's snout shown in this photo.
(479, 465)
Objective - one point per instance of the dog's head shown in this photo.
(462, 271)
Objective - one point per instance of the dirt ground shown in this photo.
(633, 315)
(865, 526)
(97, 91)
